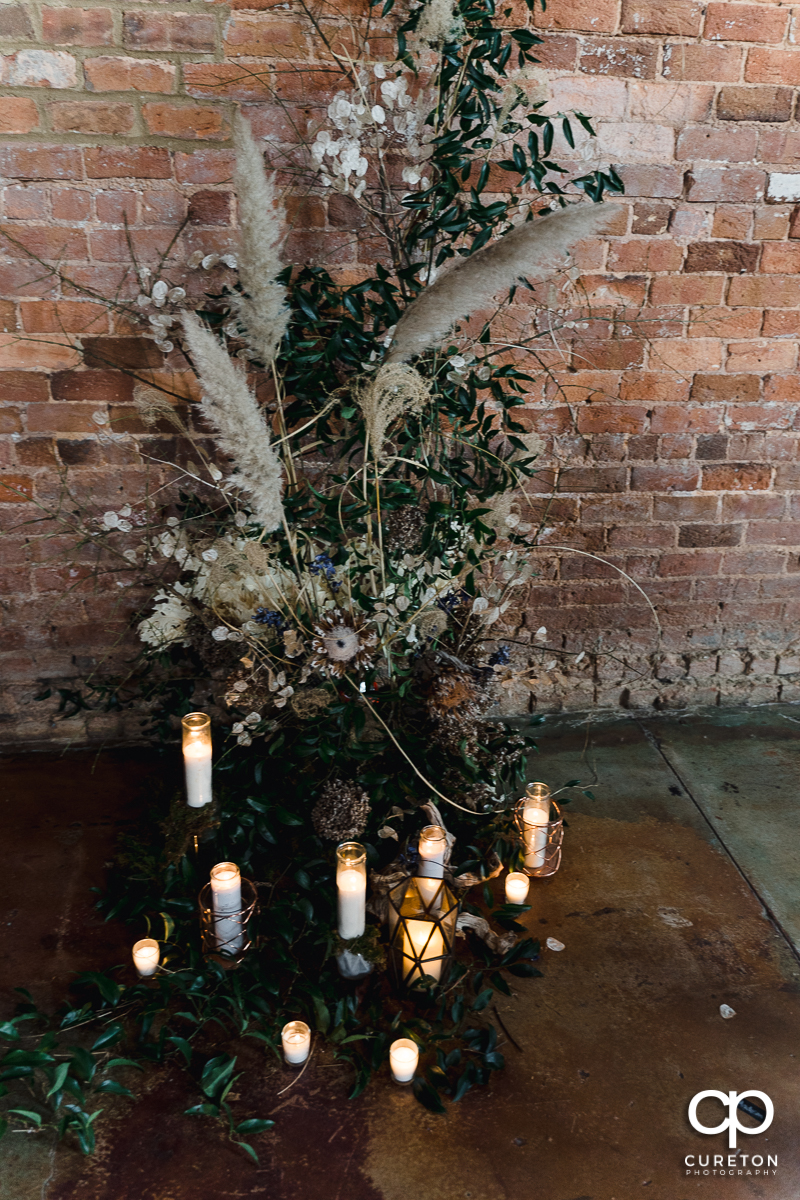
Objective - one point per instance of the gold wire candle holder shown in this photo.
(540, 831)
(422, 929)
(227, 936)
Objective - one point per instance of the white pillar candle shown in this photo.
(430, 869)
(422, 940)
(351, 887)
(146, 954)
(403, 1059)
(296, 1041)
(196, 729)
(536, 817)
(226, 900)
(517, 885)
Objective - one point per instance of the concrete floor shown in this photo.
(679, 891)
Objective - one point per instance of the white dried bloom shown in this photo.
(220, 634)
(167, 622)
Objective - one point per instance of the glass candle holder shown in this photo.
(228, 904)
(540, 831)
(146, 956)
(517, 887)
(421, 932)
(430, 869)
(351, 888)
(296, 1042)
(403, 1059)
(196, 735)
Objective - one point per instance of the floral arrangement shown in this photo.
(341, 582)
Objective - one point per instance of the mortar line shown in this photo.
(773, 919)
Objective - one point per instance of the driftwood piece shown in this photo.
(497, 942)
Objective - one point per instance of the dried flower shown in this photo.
(341, 811)
(340, 644)
(310, 702)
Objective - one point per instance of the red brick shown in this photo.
(709, 536)
(186, 121)
(592, 479)
(707, 321)
(82, 116)
(754, 103)
(163, 207)
(594, 16)
(736, 477)
(78, 26)
(24, 203)
(732, 258)
(652, 386)
(650, 218)
(41, 162)
(773, 533)
(61, 418)
(616, 355)
(259, 36)
(128, 162)
(781, 323)
(782, 389)
(724, 145)
(740, 184)
(722, 389)
(556, 53)
(15, 489)
(745, 23)
(761, 356)
(10, 421)
(685, 508)
(773, 66)
(68, 204)
(49, 243)
(680, 18)
(758, 416)
(665, 478)
(67, 316)
(128, 353)
(601, 418)
(734, 223)
(111, 245)
(645, 254)
(635, 60)
(192, 32)
(781, 258)
(720, 64)
(204, 166)
(15, 22)
(787, 477)
(752, 507)
(23, 387)
(17, 114)
(112, 74)
(765, 291)
(778, 146)
(92, 387)
(702, 562)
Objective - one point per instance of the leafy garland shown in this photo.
(406, 552)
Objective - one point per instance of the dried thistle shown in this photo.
(534, 249)
(241, 428)
(341, 811)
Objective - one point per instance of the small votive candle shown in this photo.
(430, 870)
(226, 900)
(196, 733)
(351, 888)
(296, 1041)
(517, 885)
(403, 1059)
(146, 955)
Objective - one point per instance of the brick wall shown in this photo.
(669, 404)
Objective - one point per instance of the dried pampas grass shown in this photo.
(154, 406)
(535, 250)
(393, 390)
(241, 429)
(439, 22)
(262, 310)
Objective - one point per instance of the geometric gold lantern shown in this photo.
(422, 929)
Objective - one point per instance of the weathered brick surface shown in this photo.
(671, 412)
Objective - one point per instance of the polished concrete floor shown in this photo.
(679, 892)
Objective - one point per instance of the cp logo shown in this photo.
(731, 1122)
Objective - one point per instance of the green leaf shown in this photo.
(202, 1110)
(427, 1095)
(482, 999)
(216, 1074)
(254, 1125)
(525, 970)
(112, 1088)
(108, 1036)
(30, 1116)
(323, 1014)
(124, 1062)
(9, 1031)
(58, 1079)
(248, 1149)
(184, 1047)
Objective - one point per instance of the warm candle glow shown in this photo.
(196, 733)
(517, 886)
(146, 954)
(430, 869)
(351, 887)
(403, 1059)
(422, 940)
(536, 816)
(296, 1041)
(226, 899)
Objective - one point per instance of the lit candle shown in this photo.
(430, 871)
(403, 1059)
(351, 886)
(145, 956)
(226, 899)
(423, 942)
(517, 885)
(536, 817)
(296, 1041)
(196, 728)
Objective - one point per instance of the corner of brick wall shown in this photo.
(670, 405)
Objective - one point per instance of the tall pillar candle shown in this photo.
(423, 942)
(430, 869)
(226, 900)
(536, 817)
(196, 730)
(351, 888)
(146, 955)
